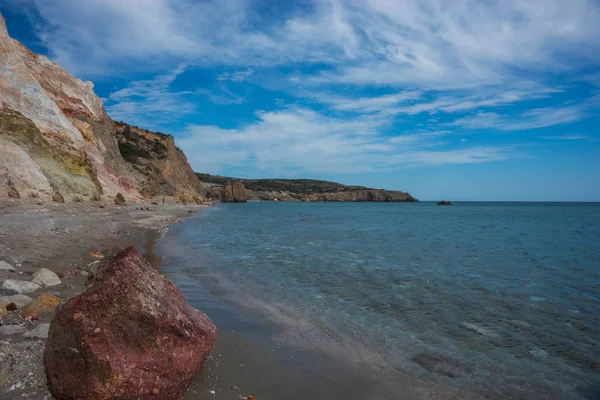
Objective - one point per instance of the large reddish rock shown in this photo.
(130, 334)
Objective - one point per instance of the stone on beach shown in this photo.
(58, 198)
(4, 266)
(133, 331)
(40, 331)
(19, 299)
(45, 303)
(14, 193)
(71, 273)
(20, 286)
(11, 329)
(45, 277)
(119, 199)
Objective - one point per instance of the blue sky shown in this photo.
(458, 99)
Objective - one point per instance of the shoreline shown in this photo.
(60, 237)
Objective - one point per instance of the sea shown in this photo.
(497, 299)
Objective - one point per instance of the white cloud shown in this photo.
(532, 119)
(238, 76)
(300, 139)
(572, 136)
(148, 102)
(364, 65)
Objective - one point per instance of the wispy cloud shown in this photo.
(238, 76)
(532, 119)
(572, 136)
(366, 85)
(150, 101)
(301, 139)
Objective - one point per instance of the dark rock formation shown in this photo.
(130, 335)
(57, 197)
(119, 199)
(444, 203)
(362, 195)
(163, 165)
(14, 193)
(234, 192)
(299, 190)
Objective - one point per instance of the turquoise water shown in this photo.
(501, 299)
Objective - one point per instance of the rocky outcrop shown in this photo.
(119, 199)
(234, 192)
(444, 203)
(163, 165)
(55, 136)
(218, 187)
(362, 195)
(130, 334)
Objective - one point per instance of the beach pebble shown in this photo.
(11, 329)
(45, 277)
(40, 331)
(20, 286)
(19, 299)
(45, 303)
(4, 266)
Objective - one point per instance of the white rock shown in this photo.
(40, 331)
(45, 277)
(20, 286)
(4, 266)
(11, 329)
(19, 299)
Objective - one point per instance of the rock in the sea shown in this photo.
(14, 193)
(130, 334)
(119, 199)
(19, 299)
(58, 198)
(45, 303)
(4, 266)
(20, 286)
(444, 203)
(45, 277)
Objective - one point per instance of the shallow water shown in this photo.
(500, 299)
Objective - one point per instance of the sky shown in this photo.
(446, 99)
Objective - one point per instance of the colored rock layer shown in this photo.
(130, 334)
(57, 141)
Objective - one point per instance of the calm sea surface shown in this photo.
(501, 299)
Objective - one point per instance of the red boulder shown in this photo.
(130, 334)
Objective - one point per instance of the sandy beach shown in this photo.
(60, 237)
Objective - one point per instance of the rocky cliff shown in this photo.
(299, 190)
(164, 166)
(56, 137)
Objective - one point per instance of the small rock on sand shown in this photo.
(45, 303)
(19, 299)
(4, 266)
(20, 286)
(58, 198)
(40, 331)
(11, 329)
(45, 277)
(14, 193)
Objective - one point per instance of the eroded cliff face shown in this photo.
(164, 167)
(55, 136)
